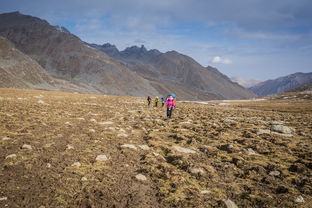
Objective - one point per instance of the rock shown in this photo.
(299, 199)
(40, 102)
(208, 149)
(27, 146)
(130, 146)
(184, 150)
(10, 156)
(101, 158)
(6, 138)
(281, 129)
(274, 173)
(144, 147)
(263, 131)
(93, 120)
(227, 147)
(49, 165)
(229, 121)
(159, 155)
(67, 123)
(122, 135)
(91, 130)
(197, 171)
(250, 151)
(3, 198)
(106, 123)
(276, 122)
(84, 179)
(205, 192)
(140, 177)
(69, 147)
(238, 161)
(76, 164)
(229, 203)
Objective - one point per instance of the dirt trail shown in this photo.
(201, 157)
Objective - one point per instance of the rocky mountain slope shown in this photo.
(17, 70)
(306, 87)
(65, 56)
(134, 71)
(282, 84)
(176, 72)
(73, 150)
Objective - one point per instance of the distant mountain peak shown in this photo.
(282, 84)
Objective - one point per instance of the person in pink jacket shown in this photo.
(170, 103)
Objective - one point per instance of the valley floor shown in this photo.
(73, 150)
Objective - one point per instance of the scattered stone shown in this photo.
(140, 177)
(144, 147)
(229, 121)
(40, 102)
(27, 146)
(276, 122)
(250, 151)
(130, 146)
(10, 156)
(111, 128)
(67, 123)
(274, 173)
(106, 123)
(299, 199)
(229, 203)
(184, 150)
(101, 158)
(49, 165)
(281, 134)
(84, 179)
(92, 130)
(281, 129)
(76, 164)
(93, 120)
(263, 131)
(122, 135)
(205, 192)
(122, 130)
(197, 171)
(69, 147)
(6, 138)
(38, 96)
(3, 198)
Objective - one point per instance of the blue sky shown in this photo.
(254, 39)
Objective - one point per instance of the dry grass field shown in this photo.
(77, 150)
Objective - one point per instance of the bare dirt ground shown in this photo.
(73, 150)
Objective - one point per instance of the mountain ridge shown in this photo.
(282, 84)
(135, 71)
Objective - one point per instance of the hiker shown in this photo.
(156, 101)
(163, 101)
(149, 99)
(170, 103)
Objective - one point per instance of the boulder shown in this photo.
(183, 150)
(281, 129)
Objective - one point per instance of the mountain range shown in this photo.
(282, 84)
(103, 69)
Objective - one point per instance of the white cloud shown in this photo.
(220, 60)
